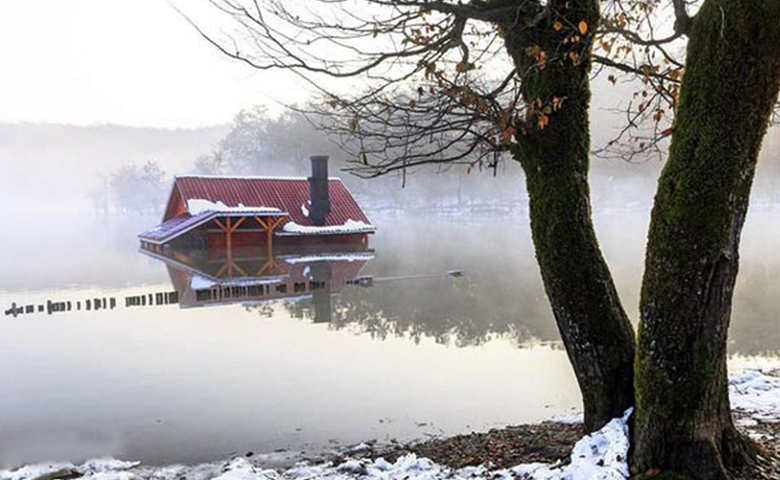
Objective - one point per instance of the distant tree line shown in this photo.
(259, 143)
(131, 189)
(262, 144)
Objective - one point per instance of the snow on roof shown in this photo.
(185, 222)
(348, 227)
(199, 205)
(331, 257)
(287, 194)
(174, 227)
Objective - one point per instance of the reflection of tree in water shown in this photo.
(501, 293)
(471, 311)
(460, 312)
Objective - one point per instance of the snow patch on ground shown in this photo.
(95, 469)
(756, 394)
(598, 456)
(570, 419)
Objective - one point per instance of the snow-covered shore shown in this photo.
(599, 456)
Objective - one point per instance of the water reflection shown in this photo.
(501, 294)
(324, 286)
(162, 379)
(250, 276)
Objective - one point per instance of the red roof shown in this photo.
(286, 194)
(287, 197)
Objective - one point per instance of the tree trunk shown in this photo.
(683, 421)
(596, 332)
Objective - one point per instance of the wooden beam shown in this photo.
(229, 244)
(222, 227)
(261, 222)
(237, 224)
(269, 242)
(219, 272)
(240, 270)
(271, 266)
(269, 224)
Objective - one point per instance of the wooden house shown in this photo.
(229, 212)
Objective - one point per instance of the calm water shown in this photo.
(417, 354)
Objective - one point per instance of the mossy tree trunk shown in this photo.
(596, 332)
(683, 421)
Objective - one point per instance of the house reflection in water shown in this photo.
(207, 277)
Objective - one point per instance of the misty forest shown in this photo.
(390, 239)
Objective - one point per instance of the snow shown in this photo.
(756, 394)
(601, 455)
(360, 447)
(331, 257)
(350, 226)
(570, 419)
(200, 282)
(199, 205)
(95, 469)
(305, 210)
(598, 456)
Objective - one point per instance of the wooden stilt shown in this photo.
(269, 224)
(229, 227)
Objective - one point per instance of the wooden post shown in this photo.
(229, 228)
(269, 225)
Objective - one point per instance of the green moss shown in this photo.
(728, 92)
(595, 329)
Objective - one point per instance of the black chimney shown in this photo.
(318, 189)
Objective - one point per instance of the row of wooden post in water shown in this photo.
(94, 304)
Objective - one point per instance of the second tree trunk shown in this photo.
(683, 420)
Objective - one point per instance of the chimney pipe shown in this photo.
(318, 190)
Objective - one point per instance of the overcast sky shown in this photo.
(132, 62)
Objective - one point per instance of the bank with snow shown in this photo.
(599, 456)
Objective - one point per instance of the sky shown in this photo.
(129, 62)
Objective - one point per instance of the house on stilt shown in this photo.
(229, 212)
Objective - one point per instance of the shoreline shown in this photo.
(548, 450)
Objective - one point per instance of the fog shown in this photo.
(65, 169)
(392, 346)
(181, 384)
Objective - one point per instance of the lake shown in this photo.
(161, 374)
